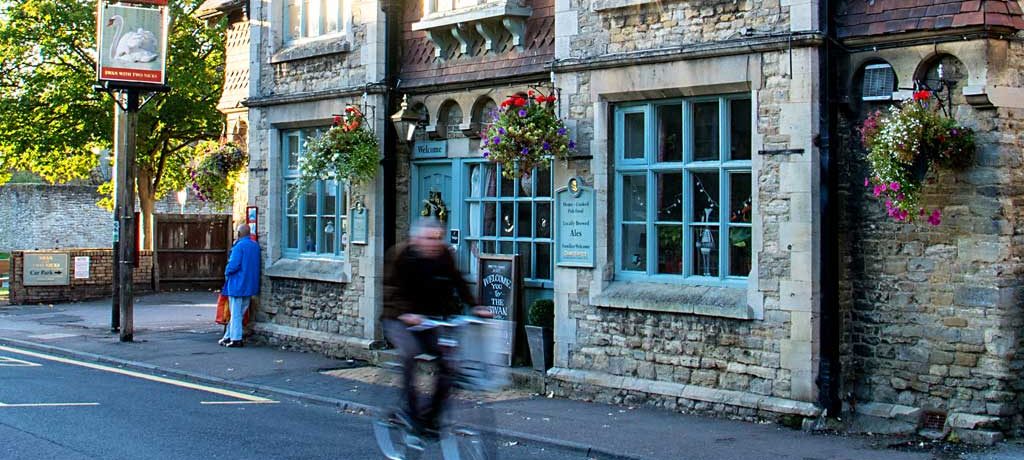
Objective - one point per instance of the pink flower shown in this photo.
(867, 182)
(879, 189)
(935, 218)
(895, 186)
(900, 197)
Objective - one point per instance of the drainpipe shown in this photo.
(829, 372)
(389, 165)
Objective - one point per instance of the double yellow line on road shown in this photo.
(244, 398)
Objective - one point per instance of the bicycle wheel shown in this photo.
(394, 437)
(470, 435)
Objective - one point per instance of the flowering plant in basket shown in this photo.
(526, 132)
(215, 170)
(348, 151)
(903, 144)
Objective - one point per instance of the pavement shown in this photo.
(175, 336)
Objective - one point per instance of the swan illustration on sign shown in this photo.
(135, 46)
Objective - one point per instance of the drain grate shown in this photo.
(934, 420)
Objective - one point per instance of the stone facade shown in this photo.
(932, 315)
(99, 283)
(745, 351)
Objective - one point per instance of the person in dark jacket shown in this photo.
(242, 282)
(422, 279)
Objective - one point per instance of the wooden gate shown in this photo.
(191, 249)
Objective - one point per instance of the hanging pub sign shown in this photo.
(132, 42)
(498, 288)
(574, 224)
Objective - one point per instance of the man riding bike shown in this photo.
(422, 280)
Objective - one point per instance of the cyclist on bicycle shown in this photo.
(423, 280)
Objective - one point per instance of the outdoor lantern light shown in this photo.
(406, 120)
(182, 198)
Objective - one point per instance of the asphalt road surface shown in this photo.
(70, 410)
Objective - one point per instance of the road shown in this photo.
(55, 408)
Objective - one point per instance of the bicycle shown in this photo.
(465, 434)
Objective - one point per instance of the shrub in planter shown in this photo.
(903, 144)
(540, 320)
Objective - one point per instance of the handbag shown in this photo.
(224, 311)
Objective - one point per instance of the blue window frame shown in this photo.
(510, 216)
(683, 190)
(315, 221)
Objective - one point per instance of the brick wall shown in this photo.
(98, 285)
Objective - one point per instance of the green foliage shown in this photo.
(346, 152)
(542, 313)
(25, 177)
(526, 133)
(216, 170)
(51, 120)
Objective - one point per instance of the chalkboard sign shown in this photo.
(498, 287)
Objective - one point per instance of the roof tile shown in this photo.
(867, 17)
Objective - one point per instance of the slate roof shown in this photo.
(863, 18)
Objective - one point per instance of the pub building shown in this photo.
(722, 256)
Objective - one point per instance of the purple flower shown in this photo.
(572, 144)
(546, 145)
(496, 140)
(561, 131)
(486, 154)
(522, 112)
(954, 131)
(486, 141)
(525, 151)
(500, 131)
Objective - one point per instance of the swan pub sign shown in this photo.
(132, 42)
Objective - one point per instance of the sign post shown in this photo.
(131, 59)
(499, 286)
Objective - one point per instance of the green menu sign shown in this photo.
(574, 225)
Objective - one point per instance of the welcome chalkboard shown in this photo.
(498, 290)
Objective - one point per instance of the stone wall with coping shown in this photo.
(753, 362)
(932, 315)
(99, 284)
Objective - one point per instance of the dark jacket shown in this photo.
(414, 283)
(243, 270)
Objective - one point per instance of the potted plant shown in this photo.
(215, 171)
(540, 323)
(903, 144)
(348, 151)
(526, 133)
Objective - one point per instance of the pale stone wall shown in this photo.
(932, 315)
(303, 85)
(756, 361)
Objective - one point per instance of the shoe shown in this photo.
(223, 342)
(234, 344)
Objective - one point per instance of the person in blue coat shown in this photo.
(242, 282)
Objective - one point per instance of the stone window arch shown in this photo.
(945, 71)
(450, 117)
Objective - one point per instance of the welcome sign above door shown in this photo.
(430, 149)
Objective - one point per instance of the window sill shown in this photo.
(331, 271)
(723, 302)
(312, 47)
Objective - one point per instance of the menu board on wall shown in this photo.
(574, 224)
(498, 287)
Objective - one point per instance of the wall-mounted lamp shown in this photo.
(406, 120)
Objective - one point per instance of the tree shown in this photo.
(52, 122)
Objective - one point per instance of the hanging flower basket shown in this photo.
(215, 171)
(903, 144)
(348, 152)
(526, 133)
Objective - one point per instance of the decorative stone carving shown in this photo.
(462, 23)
